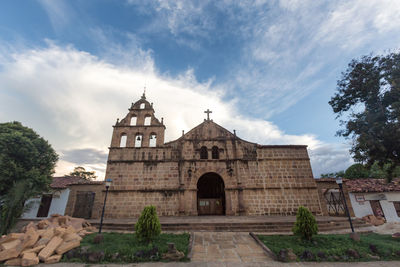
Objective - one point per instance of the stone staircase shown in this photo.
(267, 226)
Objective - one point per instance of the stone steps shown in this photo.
(283, 226)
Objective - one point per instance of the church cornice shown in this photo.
(282, 146)
(139, 148)
(139, 126)
(176, 190)
(141, 109)
(208, 160)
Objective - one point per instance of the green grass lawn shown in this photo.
(335, 247)
(125, 248)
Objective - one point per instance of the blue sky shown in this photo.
(68, 69)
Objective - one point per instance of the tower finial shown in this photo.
(144, 93)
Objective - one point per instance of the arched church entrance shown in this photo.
(210, 195)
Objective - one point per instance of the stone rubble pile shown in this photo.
(374, 220)
(45, 241)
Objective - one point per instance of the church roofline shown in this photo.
(235, 136)
(209, 121)
(282, 146)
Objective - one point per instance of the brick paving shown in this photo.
(235, 247)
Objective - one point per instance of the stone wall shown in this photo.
(258, 179)
(270, 185)
(126, 204)
(280, 201)
(144, 175)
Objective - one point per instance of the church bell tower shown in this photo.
(139, 128)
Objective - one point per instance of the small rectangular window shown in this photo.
(133, 120)
(123, 140)
(147, 121)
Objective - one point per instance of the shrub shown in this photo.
(305, 225)
(148, 226)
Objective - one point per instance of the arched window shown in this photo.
(153, 140)
(138, 140)
(203, 153)
(142, 106)
(215, 152)
(147, 120)
(133, 120)
(122, 140)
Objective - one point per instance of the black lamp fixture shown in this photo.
(339, 181)
(190, 172)
(108, 184)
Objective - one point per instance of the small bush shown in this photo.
(305, 225)
(148, 226)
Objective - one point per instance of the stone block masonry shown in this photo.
(208, 167)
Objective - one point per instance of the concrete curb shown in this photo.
(263, 246)
(190, 248)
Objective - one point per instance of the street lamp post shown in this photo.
(339, 181)
(108, 184)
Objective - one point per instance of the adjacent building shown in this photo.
(375, 196)
(68, 195)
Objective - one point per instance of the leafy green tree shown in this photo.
(148, 226)
(81, 172)
(377, 171)
(27, 162)
(355, 171)
(368, 97)
(305, 225)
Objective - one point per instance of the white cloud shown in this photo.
(353, 23)
(178, 16)
(327, 158)
(281, 41)
(58, 12)
(72, 98)
(290, 49)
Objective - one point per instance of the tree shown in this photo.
(148, 225)
(81, 172)
(368, 95)
(305, 225)
(381, 172)
(27, 163)
(355, 171)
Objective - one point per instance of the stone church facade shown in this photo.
(207, 171)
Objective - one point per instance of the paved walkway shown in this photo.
(226, 247)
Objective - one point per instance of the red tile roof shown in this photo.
(328, 180)
(372, 185)
(65, 181)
